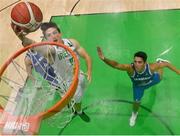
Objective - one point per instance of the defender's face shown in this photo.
(52, 35)
(139, 64)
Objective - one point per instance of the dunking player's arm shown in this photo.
(21, 35)
(46, 51)
(82, 52)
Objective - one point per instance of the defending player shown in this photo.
(143, 75)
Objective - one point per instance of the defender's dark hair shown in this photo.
(47, 25)
(141, 54)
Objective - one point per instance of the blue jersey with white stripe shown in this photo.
(142, 79)
(41, 66)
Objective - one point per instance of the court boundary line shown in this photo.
(129, 102)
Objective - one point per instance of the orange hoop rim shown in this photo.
(72, 89)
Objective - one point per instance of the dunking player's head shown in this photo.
(141, 54)
(47, 25)
(51, 32)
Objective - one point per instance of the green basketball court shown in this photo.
(108, 99)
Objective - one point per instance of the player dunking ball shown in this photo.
(52, 33)
(143, 75)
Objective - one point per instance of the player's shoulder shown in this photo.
(153, 66)
(130, 69)
(74, 42)
(72, 39)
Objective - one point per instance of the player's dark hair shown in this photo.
(141, 54)
(47, 25)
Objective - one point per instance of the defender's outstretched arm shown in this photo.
(112, 63)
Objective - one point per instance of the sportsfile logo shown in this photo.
(24, 126)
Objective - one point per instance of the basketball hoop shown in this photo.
(20, 123)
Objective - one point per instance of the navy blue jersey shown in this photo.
(143, 78)
(41, 66)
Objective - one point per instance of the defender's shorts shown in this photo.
(138, 91)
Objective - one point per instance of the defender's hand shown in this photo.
(178, 72)
(100, 53)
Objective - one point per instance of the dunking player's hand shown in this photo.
(21, 33)
(88, 76)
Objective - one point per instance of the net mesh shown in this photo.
(24, 96)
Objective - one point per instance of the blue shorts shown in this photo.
(138, 91)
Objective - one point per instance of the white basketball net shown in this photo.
(23, 96)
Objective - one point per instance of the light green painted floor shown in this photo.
(108, 99)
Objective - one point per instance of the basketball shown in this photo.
(26, 15)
